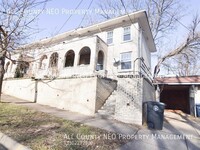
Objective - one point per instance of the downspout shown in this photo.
(139, 49)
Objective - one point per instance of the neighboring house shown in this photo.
(88, 64)
(180, 93)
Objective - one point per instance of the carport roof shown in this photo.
(185, 80)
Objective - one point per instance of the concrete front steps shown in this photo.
(107, 111)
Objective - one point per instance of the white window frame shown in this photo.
(122, 60)
(125, 33)
(110, 37)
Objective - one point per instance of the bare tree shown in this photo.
(186, 54)
(183, 64)
(162, 14)
(15, 20)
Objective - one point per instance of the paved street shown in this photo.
(180, 131)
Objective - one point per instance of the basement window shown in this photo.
(53, 60)
(84, 56)
(69, 58)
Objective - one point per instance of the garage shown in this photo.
(176, 97)
(179, 93)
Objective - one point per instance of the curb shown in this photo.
(7, 143)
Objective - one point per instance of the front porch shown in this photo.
(75, 59)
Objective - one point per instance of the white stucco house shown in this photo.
(100, 69)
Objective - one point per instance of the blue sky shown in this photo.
(57, 12)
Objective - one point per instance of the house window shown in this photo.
(22, 69)
(53, 60)
(126, 60)
(7, 65)
(42, 65)
(84, 55)
(11, 66)
(110, 37)
(100, 61)
(69, 58)
(127, 33)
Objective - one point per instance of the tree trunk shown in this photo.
(2, 71)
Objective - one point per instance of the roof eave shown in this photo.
(139, 15)
(147, 30)
(176, 83)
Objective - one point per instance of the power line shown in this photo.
(84, 17)
(52, 38)
(122, 2)
(85, 14)
(69, 17)
(179, 22)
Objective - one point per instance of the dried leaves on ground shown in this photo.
(41, 131)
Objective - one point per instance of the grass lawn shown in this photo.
(41, 131)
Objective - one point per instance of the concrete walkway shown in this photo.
(179, 132)
(109, 125)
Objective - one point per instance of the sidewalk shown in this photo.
(109, 125)
(179, 132)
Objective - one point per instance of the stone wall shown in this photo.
(131, 93)
(128, 107)
(196, 98)
(24, 89)
(104, 89)
(86, 95)
(148, 91)
(74, 94)
(197, 95)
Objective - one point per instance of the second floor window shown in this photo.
(125, 60)
(127, 34)
(110, 37)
